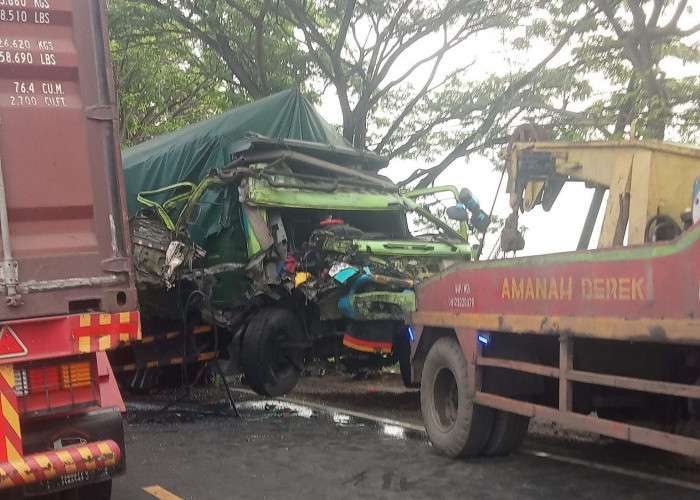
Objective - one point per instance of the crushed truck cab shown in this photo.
(321, 250)
(293, 250)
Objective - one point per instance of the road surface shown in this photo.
(281, 450)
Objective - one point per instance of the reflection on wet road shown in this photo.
(285, 450)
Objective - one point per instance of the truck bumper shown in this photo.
(69, 451)
(75, 461)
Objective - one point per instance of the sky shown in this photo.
(477, 172)
(547, 232)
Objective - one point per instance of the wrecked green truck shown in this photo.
(262, 238)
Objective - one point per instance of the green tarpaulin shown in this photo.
(286, 118)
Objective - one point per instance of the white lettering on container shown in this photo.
(10, 57)
(13, 15)
(13, 3)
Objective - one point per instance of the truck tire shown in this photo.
(520, 427)
(499, 439)
(273, 352)
(507, 433)
(401, 347)
(455, 425)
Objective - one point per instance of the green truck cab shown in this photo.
(307, 255)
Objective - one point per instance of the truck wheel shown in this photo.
(401, 346)
(455, 425)
(508, 432)
(498, 442)
(520, 427)
(273, 351)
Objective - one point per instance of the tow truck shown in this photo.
(605, 340)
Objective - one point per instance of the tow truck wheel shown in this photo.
(455, 425)
(273, 351)
(507, 433)
(520, 427)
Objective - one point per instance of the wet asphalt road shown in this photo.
(271, 452)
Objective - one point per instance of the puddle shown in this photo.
(394, 431)
(260, 410)
(272, 408)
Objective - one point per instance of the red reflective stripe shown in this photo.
(56, 462)
(35, 468)
(78, 460)
(96, 452)
(91, 331)
(368, 343)
(12, 473)
(9, 424)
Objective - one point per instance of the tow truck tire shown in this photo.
(272, 351)
(520, 427)
(507, 433)
(455, 425)
(499, 439)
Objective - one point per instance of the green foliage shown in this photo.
(395, 66)
(624, 62)
(178, 62)
(164, 81)
(386, 60)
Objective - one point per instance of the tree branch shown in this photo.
(343, 31)
(655, 13)
(677, 14)
(496, 108)
(411, 104)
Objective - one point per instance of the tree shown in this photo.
(627, 51)
(404, 85)
(386, 61)
(612, 76)
(163, 81)
(503, 100)
(645, 42)
(255, 45)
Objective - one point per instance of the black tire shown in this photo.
(97, 491)
(507, 433)
(401, 346)
(499, 440)
(520, 427)
(273, 352)
(455, 425)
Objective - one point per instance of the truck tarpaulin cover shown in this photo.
(189, 153)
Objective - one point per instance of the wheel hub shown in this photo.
(446, 397)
